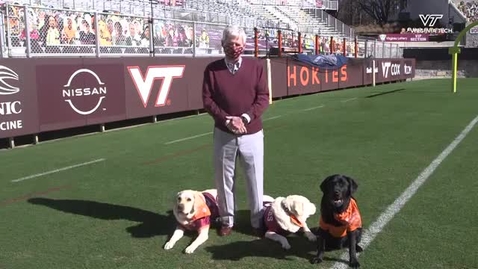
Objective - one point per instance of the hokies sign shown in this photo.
(304, 79)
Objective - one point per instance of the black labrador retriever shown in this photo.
(340, 220)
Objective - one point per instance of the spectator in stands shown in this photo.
(235, 94)
(469, 9)
(59, 22)
(87, 37)
(133, 39)
(119, 39)
(69, 31)
(105, 35)
(203, 40)
(110, 25)
(309, 42)
(51, 32)
(146, 37)
(183, 40)
(172, 40)
(50, 35)
(34, 34)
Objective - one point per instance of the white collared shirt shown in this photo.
(233, 67)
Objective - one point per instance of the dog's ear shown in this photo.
(290, 204)
(197, 197)
(324, 183)
(177, 196)
(298, 208)
(353, 186)
(312, 209)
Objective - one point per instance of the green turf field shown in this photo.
(114, 213)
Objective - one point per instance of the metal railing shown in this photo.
(378, 49)
(70, 33)
(350, 47)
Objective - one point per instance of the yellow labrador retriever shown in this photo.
(194, 211)
(287, 215)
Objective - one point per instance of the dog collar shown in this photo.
(293, 218)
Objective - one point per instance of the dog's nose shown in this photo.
(180, 207)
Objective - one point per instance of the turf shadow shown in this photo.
(264, 248)
(150, 224)
(242, 219)
(383, 93)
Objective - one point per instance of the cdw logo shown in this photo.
(144, 83)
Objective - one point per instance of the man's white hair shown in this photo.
(233, 31)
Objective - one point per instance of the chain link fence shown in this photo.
(67, 32)
(378, 49)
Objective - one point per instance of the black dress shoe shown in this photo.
(225, 230)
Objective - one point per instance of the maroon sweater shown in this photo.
(226, 94)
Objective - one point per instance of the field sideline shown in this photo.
(102, 201)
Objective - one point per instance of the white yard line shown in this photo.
(312, 108)
(208, 133)
(58, 170)
(392, 210)
(272, 118)
(348, 100)
(187, 138)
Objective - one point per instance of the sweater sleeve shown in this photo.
(209, 104)
(261, 102)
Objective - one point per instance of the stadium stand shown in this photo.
(59, 27)
(469, 9)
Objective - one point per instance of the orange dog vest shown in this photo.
(206, 209)
(350, 219)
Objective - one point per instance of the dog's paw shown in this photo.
(358, 248)
(354, 264)
(312, 237)
(316, 260)
(190, 250)
(169, 245)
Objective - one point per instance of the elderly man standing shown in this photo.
(235, 94)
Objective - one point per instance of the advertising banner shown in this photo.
(45, 94)
(72, 95)
(18, 98)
